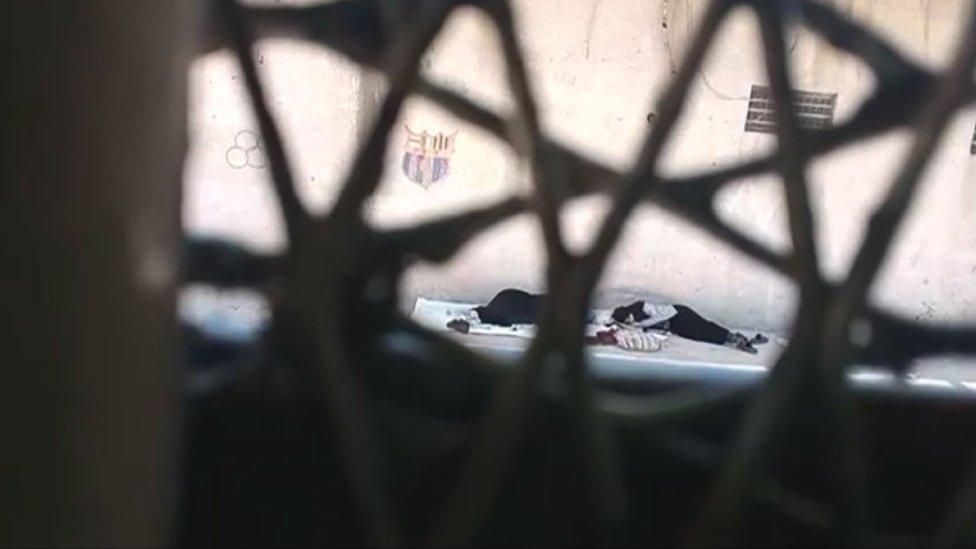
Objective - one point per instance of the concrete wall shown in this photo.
(598, 66)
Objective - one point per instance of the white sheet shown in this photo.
(436, 314)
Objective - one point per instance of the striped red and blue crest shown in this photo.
(427, 157)
(425, 170)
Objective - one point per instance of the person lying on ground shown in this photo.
(683, 321)
(513, 306)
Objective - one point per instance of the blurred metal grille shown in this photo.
(972, 147)
(341, 276)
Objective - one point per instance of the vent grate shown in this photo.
(814, 110)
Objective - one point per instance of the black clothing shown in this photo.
(686, 323)
(511, 307)
(691, 325)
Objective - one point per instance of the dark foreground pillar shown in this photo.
(94, 123)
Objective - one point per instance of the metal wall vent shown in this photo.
(814, 110)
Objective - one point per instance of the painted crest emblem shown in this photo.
(427, 157)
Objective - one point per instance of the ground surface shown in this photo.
(695, 357)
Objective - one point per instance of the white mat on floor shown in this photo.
(436, 314)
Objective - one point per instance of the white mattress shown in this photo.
(436, 314)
